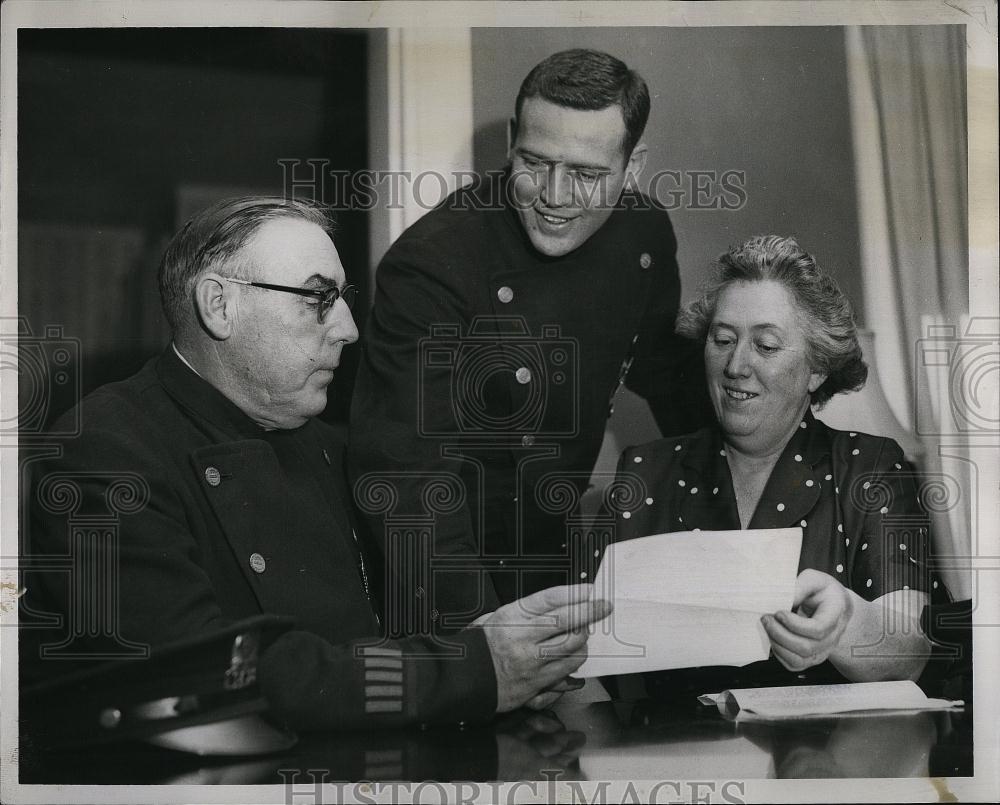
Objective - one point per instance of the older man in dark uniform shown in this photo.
(504, 322)
(203, 491)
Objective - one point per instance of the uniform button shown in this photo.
(110, 718)
(213, 476)
(257, 563)
(528, 440)
(645, 261)
(523, 375)
(505, 294)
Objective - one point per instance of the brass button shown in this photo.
(257, 563)
(523, 375)
(505, 294)
(110, 718)
(645, 261)
(213, 476)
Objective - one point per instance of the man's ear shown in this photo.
(637, 161)
(214, 303)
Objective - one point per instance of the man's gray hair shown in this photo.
(215, 237)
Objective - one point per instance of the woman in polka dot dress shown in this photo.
(780, 339)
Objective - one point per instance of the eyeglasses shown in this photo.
(327, 299)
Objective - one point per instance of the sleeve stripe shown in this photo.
(383, 690)
(379, 662)
(381, 651)
(384, 706)
(384, 676)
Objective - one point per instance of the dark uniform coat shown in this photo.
(215, 520)
(492, 366)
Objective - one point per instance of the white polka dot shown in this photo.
(853, 434)
(682, 482)
(836, 490)
(798, 457)
(906, 586)
(809, 482)
(583, 574)
(864, 547)
(597, 553)
(649, 501)
(627, 515)
(677, 448)
(715, 491)
(898, 466)
(902, 546)
(840, 528)
(803, 523)
(866, 484)
(829, 477)
(637, 459)
(696, 529)
(722, 452)
(855, 452)
(780, 507)
(934, 585)
(680, 519)
(694, 490)
(802, 424)
(884, 510)
(847, 542)
(840, 568)
(868, 583)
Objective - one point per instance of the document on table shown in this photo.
(796, 701)
(691, 598)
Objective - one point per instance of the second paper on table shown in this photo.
(691, 598)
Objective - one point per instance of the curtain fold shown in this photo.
(908, 106)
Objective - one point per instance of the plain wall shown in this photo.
(124, 133)
(771, 102)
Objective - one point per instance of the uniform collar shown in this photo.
(194, 393)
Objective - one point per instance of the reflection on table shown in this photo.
(576, 741)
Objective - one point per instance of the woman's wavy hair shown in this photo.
(825, 312)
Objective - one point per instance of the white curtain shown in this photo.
(908, 106)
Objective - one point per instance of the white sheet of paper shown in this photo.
(811, 700)
(691, 598)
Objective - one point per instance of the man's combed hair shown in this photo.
(825, 312)
(213, 240)
(590, 80)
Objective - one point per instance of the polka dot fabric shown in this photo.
(853, 495)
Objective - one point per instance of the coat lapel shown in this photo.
(794, 486)
(238, 481)
(707, 501)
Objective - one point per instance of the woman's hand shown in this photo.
(807, 636)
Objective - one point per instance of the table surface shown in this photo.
(604, 740)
